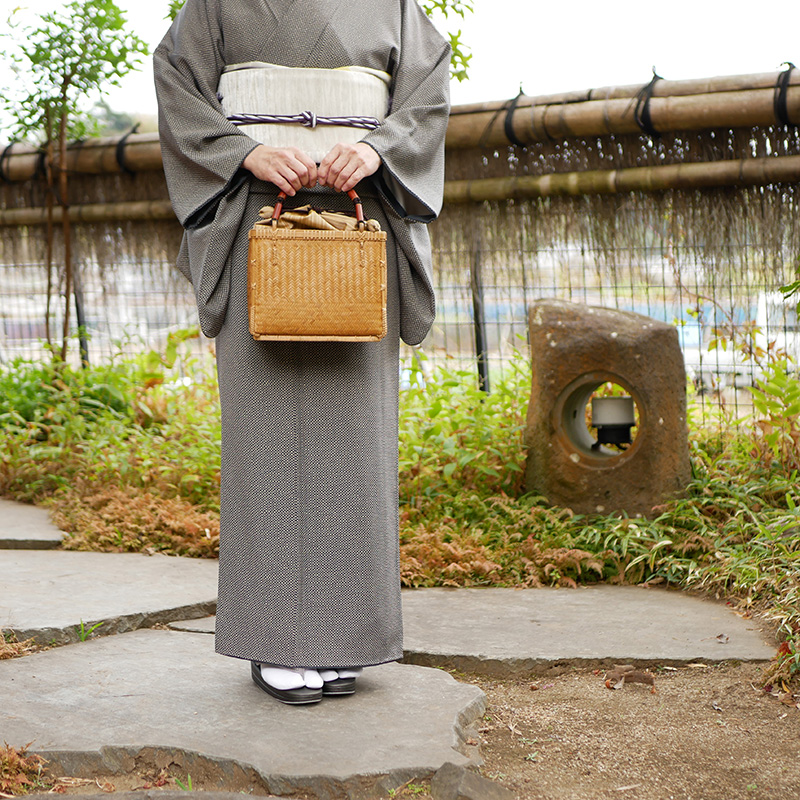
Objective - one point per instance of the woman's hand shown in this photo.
(346, 164)
(289, 168)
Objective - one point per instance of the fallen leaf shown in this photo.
(723, 638)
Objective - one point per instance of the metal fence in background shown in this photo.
(483, 293)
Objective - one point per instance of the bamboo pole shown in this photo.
(141, 152)
(740, 172)
(740, 109)
(91, 212)
(722, 102)
(662, 88)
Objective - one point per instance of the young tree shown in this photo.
(61, 65)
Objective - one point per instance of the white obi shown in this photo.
(312, 109)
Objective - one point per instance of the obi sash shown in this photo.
(312, 109)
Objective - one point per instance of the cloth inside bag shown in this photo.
(317, 219)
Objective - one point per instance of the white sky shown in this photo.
(557, 46)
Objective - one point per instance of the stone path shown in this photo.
(510, 631)
(46, 595)
(102, 700)
(156, 697)
(26, 527)
(506, 632)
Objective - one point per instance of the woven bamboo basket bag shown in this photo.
(317, 285)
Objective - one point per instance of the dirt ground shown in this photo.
(709, 733)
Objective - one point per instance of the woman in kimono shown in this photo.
(309, 587)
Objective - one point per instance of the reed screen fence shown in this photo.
(699, 228)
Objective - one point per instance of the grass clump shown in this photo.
(21, 773)
(128, 457)
(11, 647)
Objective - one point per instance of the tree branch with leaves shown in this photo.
(61, 65)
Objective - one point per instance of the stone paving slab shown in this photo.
(46, 594)
(515, 631)
(155, 696)
(26, 527)
(199, 625)
(511, 631)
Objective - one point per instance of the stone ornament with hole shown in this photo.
(577, 350)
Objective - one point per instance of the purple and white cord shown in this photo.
(308, 119)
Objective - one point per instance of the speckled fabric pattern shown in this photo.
(309, 519)
(202, 151)
(309, 546)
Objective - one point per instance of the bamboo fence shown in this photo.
(739, 102)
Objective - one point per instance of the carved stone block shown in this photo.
(575, 349)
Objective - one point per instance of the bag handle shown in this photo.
(276, 214)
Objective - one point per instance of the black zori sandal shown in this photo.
(293, 697)
(339, 686)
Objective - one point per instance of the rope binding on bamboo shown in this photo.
(120, 151)
(508, 123)
(6, 152)
(641, 112)
(780, 101)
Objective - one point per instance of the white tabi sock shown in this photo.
(351, 673)
(333, 674)
(283, 678)
(312, 678)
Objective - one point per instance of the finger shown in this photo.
(287, 180)
(283, 185)
(303, 165)
(353, 180)
(323, 172)
(346, 175)
(311, 170)
(335, 169)
(351, 173)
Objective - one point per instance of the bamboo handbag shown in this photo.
(317, 285)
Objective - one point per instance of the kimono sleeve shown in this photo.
(202, 151)
(410, 141)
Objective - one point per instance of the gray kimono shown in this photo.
(309, 530)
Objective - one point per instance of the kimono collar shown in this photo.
(300, 25)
